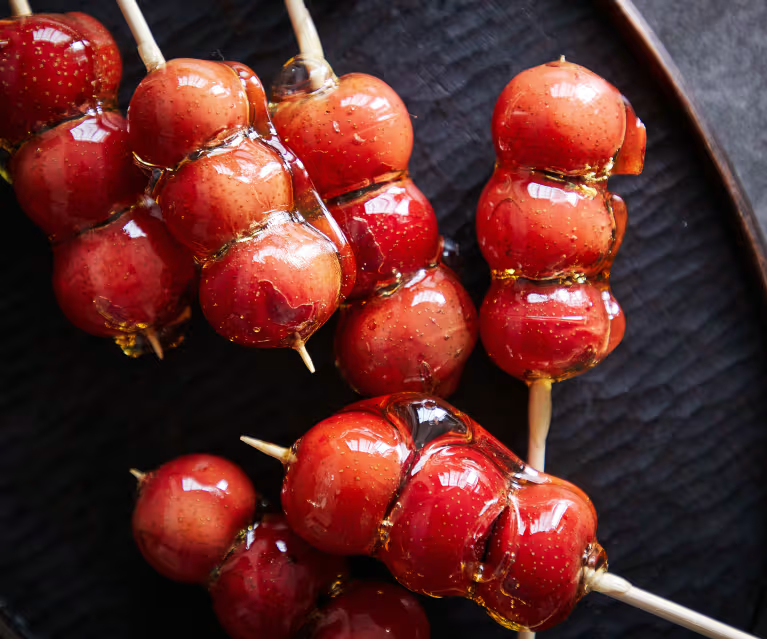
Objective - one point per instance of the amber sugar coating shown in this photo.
(416, 338)
(372, 610)
(276, 287)
(225, 195)
(540, 228)
(76, 174)
(183, 106)
(37, 93)
(188, 513)
(348, 134)
(393, 230)
(630, 160)
(340, 462)
(123, 277)
(270, 582)
(559, 117)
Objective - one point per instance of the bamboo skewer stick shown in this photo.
(150, 53)
(20, 8)
(622, 590)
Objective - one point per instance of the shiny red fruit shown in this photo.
(274, 289)
(37, 93)
(271, 582)
(341, 458)
(536, 227)
(548, 527)
(188, 513)
(184, 106)
(393, 231)
(416, 338)
(559, 117)
(124, 277)
(372, 610)
(77, 174)
(224, 196)
(549, 330)
(349, 134)
(442, 521)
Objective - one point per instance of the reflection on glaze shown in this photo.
(447, 507)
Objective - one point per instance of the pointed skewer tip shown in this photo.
(285, 455)
(154, 342)
(137, 474)
(300, 347)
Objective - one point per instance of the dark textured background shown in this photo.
(667, 436)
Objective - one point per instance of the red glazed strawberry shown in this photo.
(225, 195)
(184, 106)
(559, 117)
(274, 289)
(551, 531)
(548, 330)
(127, 276)
(77, 174)
(86, 72)
(372, 610)
(270, 582)
(415, 338)
(188, 513)
(349, 136)
(341, 459)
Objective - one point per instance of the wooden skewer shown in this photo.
(309, 42)
(150, 53)
(20, 8)
(539, 420)
(303, 26)
(137, 474)
(622, 590)
(300, 347)
(285, 455)
(154, 342)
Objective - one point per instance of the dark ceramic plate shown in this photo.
(667, 435)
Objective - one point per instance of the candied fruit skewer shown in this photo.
(451, 511)
(408, 323)
(117, 272)
(275, 264)
(549, 229)
(194, 522)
